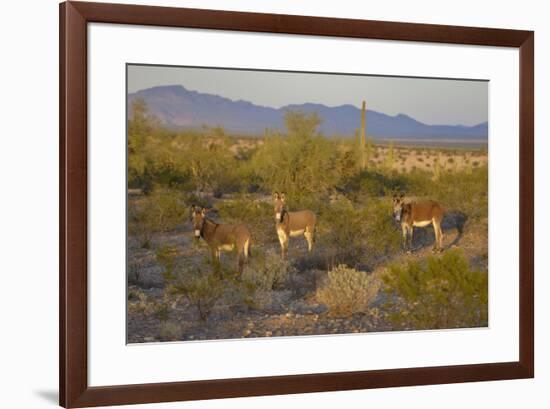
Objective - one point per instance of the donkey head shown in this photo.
(398, 202)
(198, 216)
(279, 206)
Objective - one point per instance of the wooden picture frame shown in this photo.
(73, 331)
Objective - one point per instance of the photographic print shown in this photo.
(272, 203)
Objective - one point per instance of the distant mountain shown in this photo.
(179, 108)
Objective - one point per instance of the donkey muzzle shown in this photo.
(278, 216)
(197, 233)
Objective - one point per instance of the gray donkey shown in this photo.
(221, 237)
(291, 224)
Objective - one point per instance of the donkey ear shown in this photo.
(193, 208)
(275, 195)
(402, 195)
(204, 211)
(283, 197)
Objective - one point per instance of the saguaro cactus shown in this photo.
(363, 141)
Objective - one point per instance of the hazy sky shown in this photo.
(432, 101)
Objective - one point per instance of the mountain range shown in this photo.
(178, 107)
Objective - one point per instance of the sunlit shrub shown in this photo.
(439, 292)
(347, 291)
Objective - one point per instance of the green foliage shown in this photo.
(374, 183)
(258, 216)
(201, 289)
(196, 160)
(356, 235)
(347, 291)
(262, 276)
(300, 163)
(460, 190)
(167, 257)
(441, 292)
(268, 272)
(160, 211)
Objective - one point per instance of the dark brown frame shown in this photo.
(73, 384)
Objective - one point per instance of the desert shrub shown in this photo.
(134, 272)
(439, 292)
(192, 159)
(167, 257)
(140, 302)
(459, 190)
(161, 311)
(162, 210)
(201, 289)
(467, 191)
(300, 162)
(341, 232)
(347, 291)
(262, 276)
(256, 214)
(170, 331)
(356, 235)
(374, 183)
(379, 229)
(268, 272)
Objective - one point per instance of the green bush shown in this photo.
(347, 291)
(202, 290)
(268, 272)
(167, 257)
(353, 235)
(160, 211)
(263, 275)
(257, 215)
(299, 163)
(440, 292)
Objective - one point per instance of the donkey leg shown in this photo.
(404, 233)
(309, 238)
(241, 263)
(216, 261)
(439, 236)
(246, 250)
(283, 240)
(411, 231)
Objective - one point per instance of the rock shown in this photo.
(246, 332)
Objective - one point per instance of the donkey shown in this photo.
(221, 237)
(291, 224)
(418, 214)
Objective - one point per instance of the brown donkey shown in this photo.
(221, 237)
(418, 214)
(291, 224)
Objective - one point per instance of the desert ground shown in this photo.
(357, 279)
